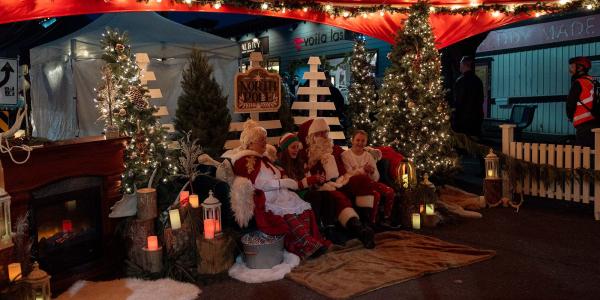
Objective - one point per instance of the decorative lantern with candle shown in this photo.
(5, 227)
(211, 214)
(406, 175)
(39, 284)
(492, 163)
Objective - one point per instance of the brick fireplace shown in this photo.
(67, 188)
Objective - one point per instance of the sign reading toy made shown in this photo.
(257, 90)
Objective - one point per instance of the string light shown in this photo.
(217, 5)
(264, 6)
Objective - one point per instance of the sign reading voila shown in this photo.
(319, 38)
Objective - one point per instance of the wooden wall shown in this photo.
(534, 73)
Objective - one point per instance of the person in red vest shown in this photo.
(580, 101)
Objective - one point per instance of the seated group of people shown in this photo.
(311, 175)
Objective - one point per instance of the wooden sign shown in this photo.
(257, 90)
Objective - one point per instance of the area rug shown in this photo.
(399, 256)
(241, 272)
(131, 289)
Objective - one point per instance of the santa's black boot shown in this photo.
(364, 233)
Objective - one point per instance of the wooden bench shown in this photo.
(520, 115)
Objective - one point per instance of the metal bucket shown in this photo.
(262, 251)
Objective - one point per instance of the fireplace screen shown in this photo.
(67, 229)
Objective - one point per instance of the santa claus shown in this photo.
(261, 189)
(324, 158)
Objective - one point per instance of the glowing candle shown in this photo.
(14, 271)
(184, 198)
(490, 173)
(67, 226)
(194, 201)
(416, 221)
(175, 220)
(217, 226)
(429, 209)
(209, 229)
(152, 243)
(421, 208)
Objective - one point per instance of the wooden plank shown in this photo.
(306, 90)
(535, 160)
(551, 161)
(576, 165)
(568, 166)
(146, 75)
(314, 75)
(271, 124)
(230, 144)
(170, 128)
(155, 93)
(527, 157)
(520, 157)
(586, 179)
(541, 184)
(314, 60)
(560, 153)
(141, 58)
(162, 111)
(313, 105)
(337, 135)
(330, 120)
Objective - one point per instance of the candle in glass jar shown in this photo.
(490, 173)
(209, 229)
(416, 221)
(184, 198)
(194, 201)
(152, 243)
(429, 209)
(175, 219)
(14, 271)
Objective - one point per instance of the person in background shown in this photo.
(468, 100)
(580, 101)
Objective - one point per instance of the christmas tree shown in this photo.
(201, 108)
(412, 114)
(123, 101)
(362, 97)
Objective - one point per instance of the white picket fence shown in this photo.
(561, 156)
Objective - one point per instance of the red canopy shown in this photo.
(448, 29)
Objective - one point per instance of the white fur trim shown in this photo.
(365, 201)
(242, 153)
(376, 153)
(330, 167)
(346, 214)
(242, 200)
(318, 125)
(241, 272)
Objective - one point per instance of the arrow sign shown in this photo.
(7, 69)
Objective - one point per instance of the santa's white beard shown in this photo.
(318, 147)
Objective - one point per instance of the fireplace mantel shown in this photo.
(88, 156)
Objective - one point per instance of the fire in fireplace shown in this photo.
(66, 224)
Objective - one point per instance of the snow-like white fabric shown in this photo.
(131, 289)
(241, 272)
(125, 207)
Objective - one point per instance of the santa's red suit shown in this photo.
(277, 210)
(341, 189)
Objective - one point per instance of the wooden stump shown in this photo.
(146, 204)
(153, 260)
(137, 239)
(492, 191)
(215, 255)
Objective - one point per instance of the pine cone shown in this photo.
(137, 98)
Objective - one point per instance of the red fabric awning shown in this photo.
(448, 29)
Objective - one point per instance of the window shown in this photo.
(273, 65)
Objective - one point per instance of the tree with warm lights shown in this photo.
(146, 152)
(362, 97)
(412, 114)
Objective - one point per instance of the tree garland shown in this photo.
(517, 168)
(351, 10)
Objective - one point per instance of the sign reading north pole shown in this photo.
(8, 81)
(257, 90)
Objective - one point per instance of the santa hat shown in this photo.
(286, 140)
(311, 126)
(252, 132)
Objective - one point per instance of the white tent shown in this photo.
(64, 72)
